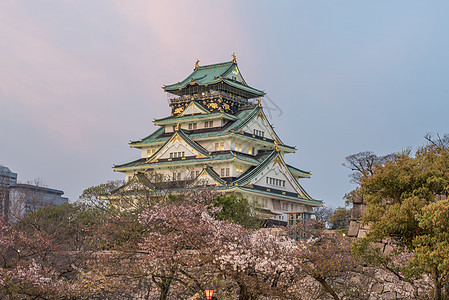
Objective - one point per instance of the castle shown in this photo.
(218, 135)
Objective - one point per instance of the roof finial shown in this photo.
(259, 103)
(276, 145)
(234, 58)
(196, 64)
(177, 127)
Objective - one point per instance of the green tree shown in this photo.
(403, 204)
(237, 210)
(340, 219)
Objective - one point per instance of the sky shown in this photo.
(80, 79)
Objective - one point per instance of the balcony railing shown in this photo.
(210, 96)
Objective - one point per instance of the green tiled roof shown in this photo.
(214, 175)
(143, 162)
(174, 119)
(191, 143)
(211, 74)
(244, 117)
(244, 87)
(253, 172)
(296, 170)
(311, 201)
(152, 137)
(217, 157)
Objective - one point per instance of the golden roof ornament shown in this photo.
(276, 145)
(197, 62)
(234, 58)
(259, 103)
(177, 127)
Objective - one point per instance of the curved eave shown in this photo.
(254, 92)
(300, 174)
(296, 199)
(174, 120)
(192, 161)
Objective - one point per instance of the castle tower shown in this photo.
(218, 135)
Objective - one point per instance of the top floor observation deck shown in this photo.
(216, 87)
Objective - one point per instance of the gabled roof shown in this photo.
(175, 119)
(196, 105)
(274, 155)
(299, 172)
(154, 137)
(242, 118)
(138, 179)
(211, 74)
(251, 173)
(215, 157)
(208, 172)
(180, 134)
(245, 116)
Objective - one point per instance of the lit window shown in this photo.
(216, 146)
(240, 147)
(250, 150)
(236, 147)
(222, 146)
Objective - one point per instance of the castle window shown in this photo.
(192, 126)
(222, 146)
(216, 146)
(275, 181)
(177, 154)
(227, 172)
(264, 202)
(211, 123)
(238, 147)
(259, 133)
(222, 172)
(206, 124)
(250, 150)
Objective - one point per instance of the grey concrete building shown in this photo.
(18, 199)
